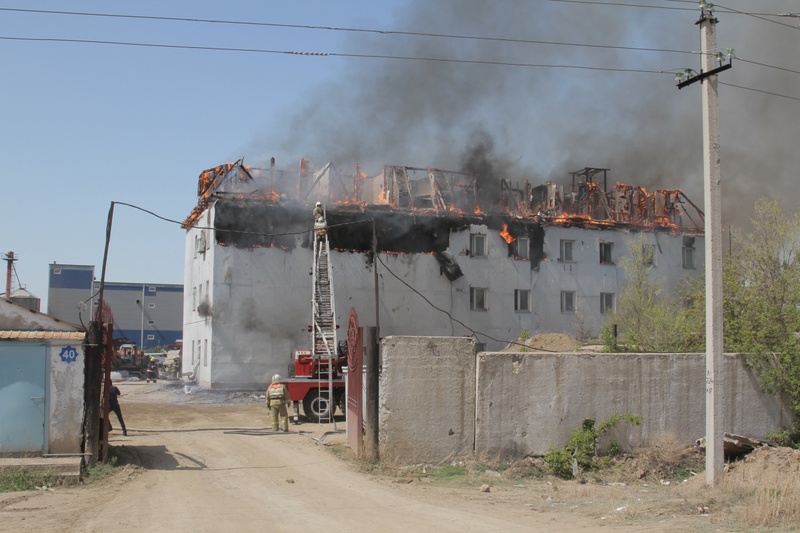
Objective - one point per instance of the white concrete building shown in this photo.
(446, 264)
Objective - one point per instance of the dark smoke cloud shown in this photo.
(544, 123)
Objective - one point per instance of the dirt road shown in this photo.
(206, 463)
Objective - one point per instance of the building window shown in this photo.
(605, 253)
(151, 289)
(477, 245)
(477, 299)
(151, 337)
(205, 352)
(151, 306)
(194, 298)
(522, 300)
(566, 251)
(523, 248)
(648, 255)
(151, 322)
(56, 271)
(200, 243)
(567, 301)
(606, 302)
(688, 252)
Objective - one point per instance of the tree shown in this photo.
(648, 319)
(762, 299)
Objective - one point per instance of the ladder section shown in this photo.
(324, 322)
(324, 344)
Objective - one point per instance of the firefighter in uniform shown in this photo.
(318, 213)
(278, 402)
(319, 221)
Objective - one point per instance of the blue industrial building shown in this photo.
(146, 314)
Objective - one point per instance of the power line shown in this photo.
(386, 56)
(332, 54)
(621, 4)
(759, 91)
(768, 66)
(346, 29)
(394, 32)
(454, 319)
(757, 16)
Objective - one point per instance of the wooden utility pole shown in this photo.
(713, 242)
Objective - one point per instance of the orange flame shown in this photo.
(506, 235)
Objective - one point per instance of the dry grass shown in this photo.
(662, 483)
(769, 480)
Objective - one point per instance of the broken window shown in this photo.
(688, 252)
(477, 299)
(200, 243)
(605, 253)
(648, 255)
(566, 251)
(522, 300)
(523, 248)
(567, 301)
(477, 245)
(606, 302)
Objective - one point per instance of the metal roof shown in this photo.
(13, 335)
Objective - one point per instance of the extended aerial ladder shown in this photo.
(324, 345)
(317, 379)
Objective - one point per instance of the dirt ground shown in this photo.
(205, 462)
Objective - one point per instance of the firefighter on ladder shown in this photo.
(319, 221)
(278, 402)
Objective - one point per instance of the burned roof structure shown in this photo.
(412, 210)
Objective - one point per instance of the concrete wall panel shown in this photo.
(65, 430)
(427, 399)
(529, 402)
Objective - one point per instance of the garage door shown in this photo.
(23, 375)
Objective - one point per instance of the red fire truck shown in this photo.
(309, 384)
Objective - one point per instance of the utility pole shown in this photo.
(713, 243)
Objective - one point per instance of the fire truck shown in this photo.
(317, 375)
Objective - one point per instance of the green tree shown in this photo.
(648, 319)
(762, 298)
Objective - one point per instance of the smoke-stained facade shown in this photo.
(456, 255)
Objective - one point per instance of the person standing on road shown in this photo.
(278, 402)
(113, 405)
(152, 370)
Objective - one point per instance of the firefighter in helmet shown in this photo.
(278, 403)
(319, 221)
(319, 214)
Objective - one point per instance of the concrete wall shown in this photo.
(66, 396)
(427, 399)
(529, 402)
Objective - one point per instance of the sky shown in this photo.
(131, 108)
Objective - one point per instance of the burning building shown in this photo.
(455, 256)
